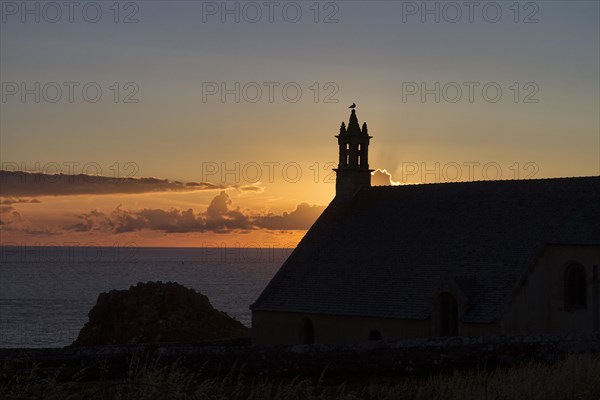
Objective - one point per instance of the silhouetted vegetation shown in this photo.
(574, 378)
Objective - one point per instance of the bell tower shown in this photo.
(353, 170)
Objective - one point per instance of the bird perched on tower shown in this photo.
(353, 106)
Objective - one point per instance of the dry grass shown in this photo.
(577, 378)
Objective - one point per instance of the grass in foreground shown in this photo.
(577, 378)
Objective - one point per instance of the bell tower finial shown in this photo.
(353, 171)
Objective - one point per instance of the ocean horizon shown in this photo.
(46, 292)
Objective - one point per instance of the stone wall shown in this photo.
(271, 327)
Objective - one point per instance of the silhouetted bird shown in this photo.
(352, 106)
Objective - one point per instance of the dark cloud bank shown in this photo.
(31, 184)
(219, 217)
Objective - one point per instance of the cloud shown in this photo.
(301, 218)
(12, 200)
(219, 217)
(28, 184)
(10, 219)
(382, 178)
(219, 205)
(169, 221)
(251, 188)
(93, 221)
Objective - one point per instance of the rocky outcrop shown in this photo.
(156, 312)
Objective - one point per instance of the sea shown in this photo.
(46, 292)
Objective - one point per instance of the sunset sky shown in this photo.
(255, 169)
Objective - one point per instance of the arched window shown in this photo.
(448, 315)
(307, 331)
(575, 287)
(375, 335)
